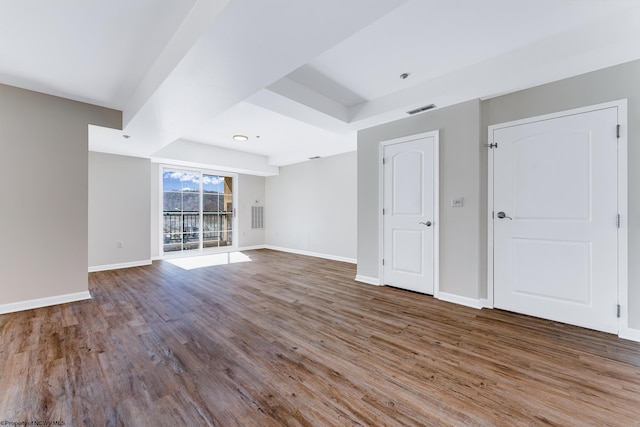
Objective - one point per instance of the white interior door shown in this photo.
(555, 213)
(409, 212)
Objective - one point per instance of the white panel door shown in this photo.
(554, 218)
(409, 178)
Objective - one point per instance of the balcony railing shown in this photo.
(181, 230)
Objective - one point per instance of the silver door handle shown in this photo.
(503, 215)
(428, 223)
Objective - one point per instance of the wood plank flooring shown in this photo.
(288, 340)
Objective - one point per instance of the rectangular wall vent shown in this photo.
(421, 109)
(257, 217)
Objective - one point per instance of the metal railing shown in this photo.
(181, 230)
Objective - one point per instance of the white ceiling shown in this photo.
(299, 77)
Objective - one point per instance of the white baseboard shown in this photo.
(457, 299)
(251, 248)
(313, 254)
(95, 268)
(44, 302)
(367, 280)
(630, 334)
(485, 303)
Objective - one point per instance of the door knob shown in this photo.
(428, 223)
(502, 215)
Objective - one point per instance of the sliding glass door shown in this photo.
(217, 211)
(197, 210)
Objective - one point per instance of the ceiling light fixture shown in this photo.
(240, 137)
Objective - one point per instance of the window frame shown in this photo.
(162, 167)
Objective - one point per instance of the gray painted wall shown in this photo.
(619, 82)
(251, 189)
(311, 206)
(119, 203)
(463, 172)
(43, 208)
(460, 228)
(154, 223)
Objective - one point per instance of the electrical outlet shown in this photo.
(457, 202)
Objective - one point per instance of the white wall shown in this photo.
(43, 203)
(311, 207)
(119, 203)
(205, 156)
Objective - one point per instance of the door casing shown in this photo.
(201, 251)
(436, 205)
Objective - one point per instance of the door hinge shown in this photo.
(383, 211)
(618, 220)
(382, 261)
(491, 146)
(617, 131)
(618, 311)
(383, 161)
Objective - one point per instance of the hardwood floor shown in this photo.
(293, 340)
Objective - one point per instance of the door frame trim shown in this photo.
(436, 203)
(623, 231)
(160, 209)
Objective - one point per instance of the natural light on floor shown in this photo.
(192, 263)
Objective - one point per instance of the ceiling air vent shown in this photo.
(421, 109)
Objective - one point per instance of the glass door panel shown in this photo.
(215, 192)
(227, 214)
(198, 210)
(181, 210)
